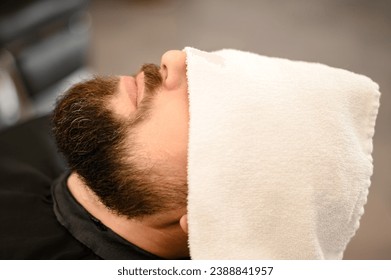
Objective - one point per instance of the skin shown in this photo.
(163, 137)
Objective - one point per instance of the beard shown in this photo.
(101, 148)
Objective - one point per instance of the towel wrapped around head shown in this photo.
(279, 160)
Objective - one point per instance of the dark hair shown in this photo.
(95, 143)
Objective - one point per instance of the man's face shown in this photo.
(162, 138)
(127, 137)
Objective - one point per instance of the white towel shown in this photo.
(279, 159)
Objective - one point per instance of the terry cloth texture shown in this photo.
(279, 161)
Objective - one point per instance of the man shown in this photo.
(269, 158)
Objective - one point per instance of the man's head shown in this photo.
(126, 137)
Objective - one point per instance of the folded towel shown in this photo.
(279, 160)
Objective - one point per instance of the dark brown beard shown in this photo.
(98, 146)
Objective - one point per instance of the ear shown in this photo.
(183, 223)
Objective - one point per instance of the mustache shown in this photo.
(152, 78)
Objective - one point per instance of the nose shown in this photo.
(173, 69)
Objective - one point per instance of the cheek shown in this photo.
(165, 134)
(174, 126)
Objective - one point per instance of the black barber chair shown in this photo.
(43, 50)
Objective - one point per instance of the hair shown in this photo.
(100, 148)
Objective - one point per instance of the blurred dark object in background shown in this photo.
(43, 47)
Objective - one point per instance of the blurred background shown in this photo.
(47, 45)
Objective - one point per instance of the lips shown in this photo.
(140, 87)
(131, 88)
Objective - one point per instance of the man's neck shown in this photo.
(160, 234)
